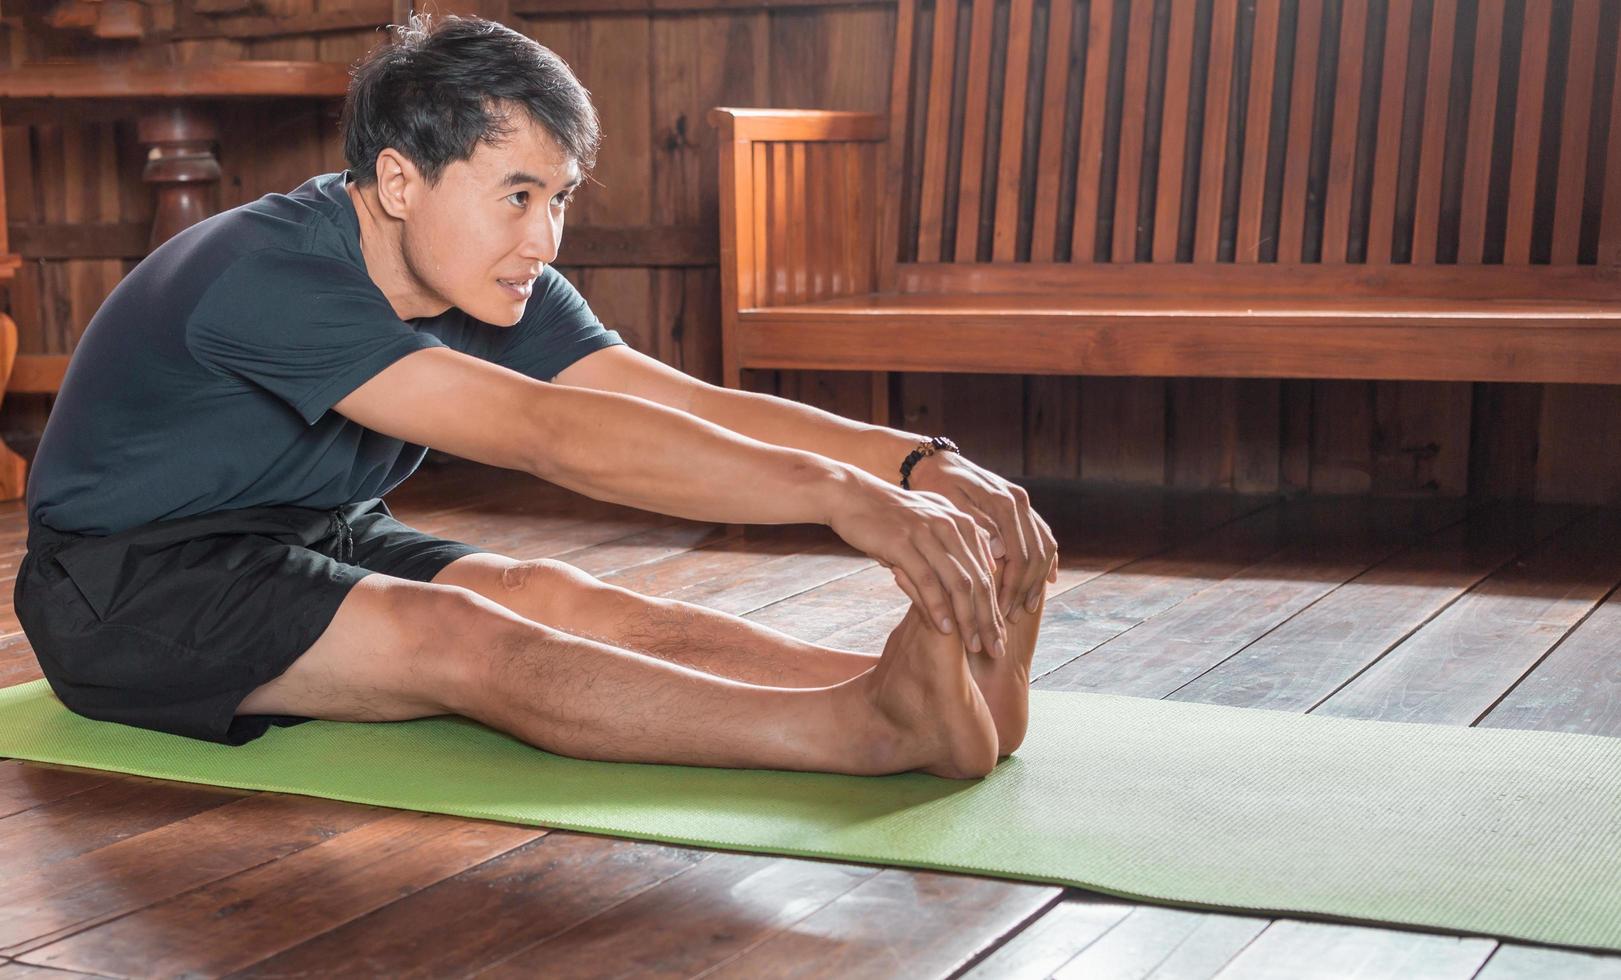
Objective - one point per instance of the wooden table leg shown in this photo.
(180, 164)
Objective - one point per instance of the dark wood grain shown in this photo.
(247, 917)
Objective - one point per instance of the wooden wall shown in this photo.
(642, 248)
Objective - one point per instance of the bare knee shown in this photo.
(542, 589)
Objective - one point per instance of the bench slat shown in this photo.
(1010, 160)
(894, 158)
(1522, 188)
(1342, 153)
(1133, 112)
(1173, 148)
(1089, 163)
(1050, 156)
(1609, 252)
(1482, 121)
(1432, 143)
(972, 152)
(942, 67)
(1578, 107)
(1257, 131)
(1387, 148)
(1303, 94)
(1214, 162)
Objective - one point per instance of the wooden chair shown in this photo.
(1074, 187)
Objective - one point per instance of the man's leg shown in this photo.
(566, 598)
(400, 649)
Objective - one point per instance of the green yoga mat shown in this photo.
(1503, 833)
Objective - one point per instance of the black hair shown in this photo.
(445, 85)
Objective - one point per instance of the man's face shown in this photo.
(478, 239)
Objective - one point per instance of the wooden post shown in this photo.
(13, 469)
(181, 166)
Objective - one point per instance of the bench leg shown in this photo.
(13, 468)
(880, 398)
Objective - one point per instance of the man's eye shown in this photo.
(564, 200)
(522, 194)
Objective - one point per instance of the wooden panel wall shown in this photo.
(655, 68)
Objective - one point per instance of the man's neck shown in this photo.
(382, 248)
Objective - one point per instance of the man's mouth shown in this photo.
(519, 288)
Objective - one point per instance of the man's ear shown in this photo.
(397, 182)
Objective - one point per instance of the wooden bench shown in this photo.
(1261, 192)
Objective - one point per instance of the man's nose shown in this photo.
(542, 241)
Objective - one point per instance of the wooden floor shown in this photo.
(1427, 611)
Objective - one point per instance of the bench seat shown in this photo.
(1268, 336)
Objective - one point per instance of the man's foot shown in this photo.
(1005, 682)
(931, 715)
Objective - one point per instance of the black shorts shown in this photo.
(170, 625)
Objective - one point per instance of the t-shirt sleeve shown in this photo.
(557, 329)
(305, 328)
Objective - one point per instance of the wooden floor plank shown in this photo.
(1053, 939)
(25, 785)
(1164, 942)
(916, 923)
(1577, 688)
(1097, 637)
(1291, 950)
(132, 873)
(774, 580)
(1459, 664)
(22, 971)
(491, 912)
(247, 917)
(692, 921)
(642, 547)
(1159, 656)
(1516, 962)
(1315, 652)
(37, 838)
(18, 664)
(718, 561)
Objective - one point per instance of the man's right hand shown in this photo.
(940, 556)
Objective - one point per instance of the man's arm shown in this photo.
(609, 446)
(1018, 533)
(640, 453)
(875, 449)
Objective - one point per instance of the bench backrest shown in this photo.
(1027, 132)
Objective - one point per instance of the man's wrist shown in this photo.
(887, 450)
(933, 446)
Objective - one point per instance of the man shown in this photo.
(209, 553)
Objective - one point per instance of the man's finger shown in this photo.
(906, 586)
(1042, 553)
(953, 575)
(1021, 558)
(932, 594)
(973, 589)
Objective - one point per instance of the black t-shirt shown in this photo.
(206, 380)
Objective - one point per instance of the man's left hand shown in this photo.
(1018, 534)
